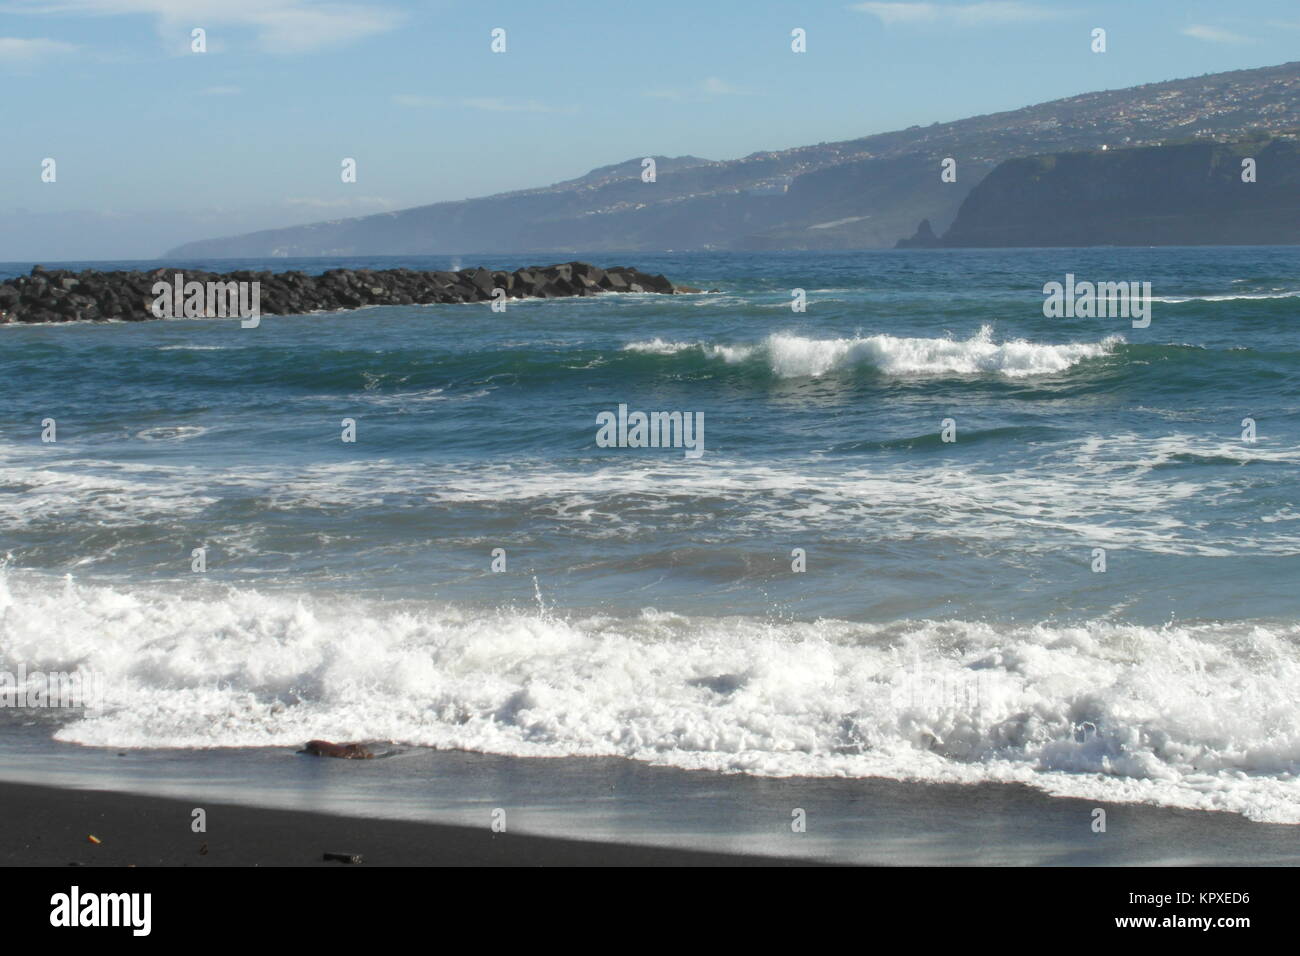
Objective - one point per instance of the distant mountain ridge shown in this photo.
(861, 193)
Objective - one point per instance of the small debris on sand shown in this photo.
(323, 748)
(344, 857)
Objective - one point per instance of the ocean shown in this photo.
(1091, 589)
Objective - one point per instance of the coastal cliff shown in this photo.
(1187, 194)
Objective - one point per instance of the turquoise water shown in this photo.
(949, 623)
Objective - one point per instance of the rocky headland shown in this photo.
(1184, 194)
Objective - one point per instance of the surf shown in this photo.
(788, 355)
(1191, 715)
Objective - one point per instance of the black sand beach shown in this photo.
(46, 826)
(272, 807)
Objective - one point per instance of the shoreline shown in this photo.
(51, 826)
(272, 807)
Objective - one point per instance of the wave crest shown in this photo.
(796, 356)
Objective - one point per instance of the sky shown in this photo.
(156, 143)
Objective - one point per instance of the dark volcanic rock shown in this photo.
(57, 295)
(924, 238)
(324, 748)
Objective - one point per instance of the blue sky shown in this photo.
(156, 144)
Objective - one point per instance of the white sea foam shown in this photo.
(1192, 716)
(171, 433)
(658, 346)
(1232, 297)
(95, 493)
(797, 356)
(1124, 491)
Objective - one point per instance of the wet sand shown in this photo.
(272, 807)
(45, 826)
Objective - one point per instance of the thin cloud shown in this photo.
(490, 104)
(963, 14)
(415, 101)
(281, 26)
(221, 91)
(1213, 34)
(495, 104)
(25, 51)
(707, 88)
(716, 87)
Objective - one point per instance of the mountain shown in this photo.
(1187, 194)
(860, 193)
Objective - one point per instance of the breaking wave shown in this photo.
(796, 356)
(1196, 715)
